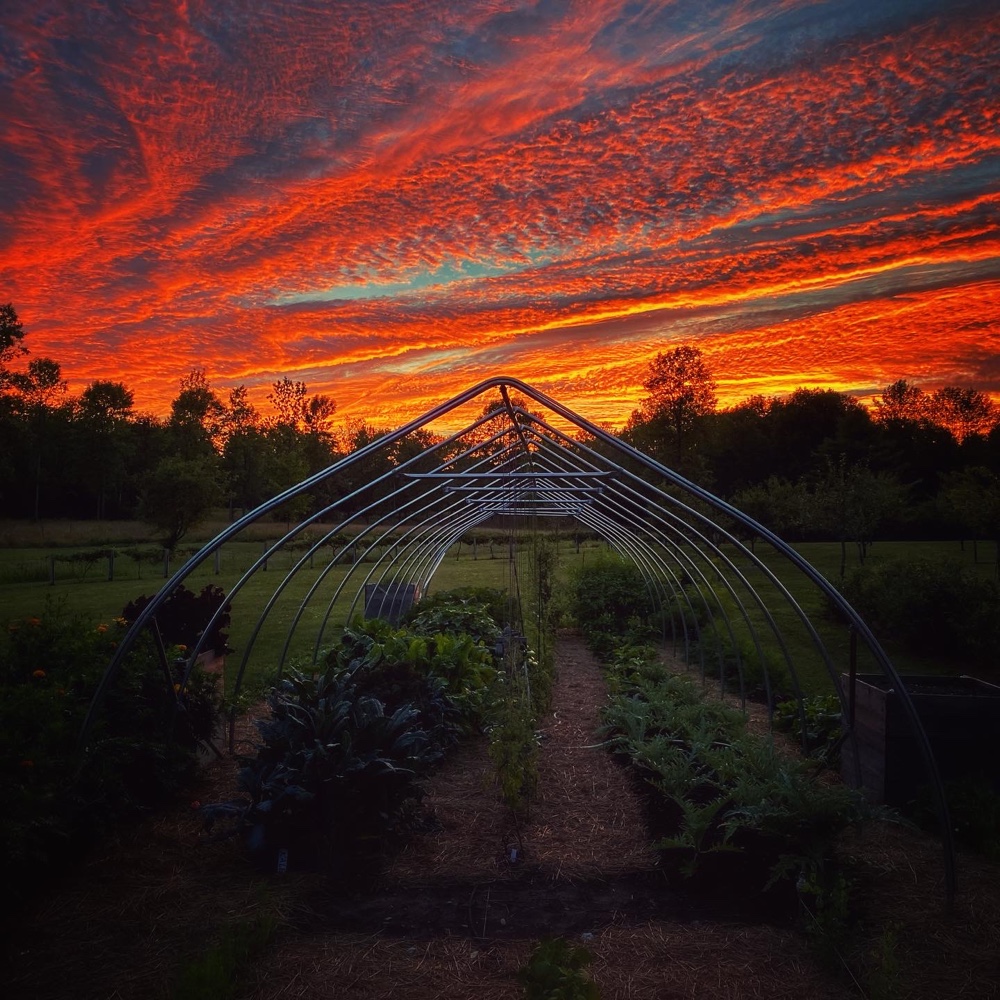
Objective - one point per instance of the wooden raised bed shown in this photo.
(961, 716)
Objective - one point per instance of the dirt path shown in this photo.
(452, 917)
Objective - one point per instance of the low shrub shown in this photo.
(141, 749)
(933, 608)
(607, 595)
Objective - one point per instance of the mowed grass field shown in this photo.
(32, 555)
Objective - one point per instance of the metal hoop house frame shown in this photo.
(407, 500)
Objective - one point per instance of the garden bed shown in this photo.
(154, 901)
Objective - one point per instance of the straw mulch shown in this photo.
(463, 918)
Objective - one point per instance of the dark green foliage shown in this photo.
(450, 613)
(334, 772)
(403, 666)
(607, 595)
(514, 745)
(719, 788)
(141, 749)
(557, 970)
(823, 724)
(334, 777)
(931, 608)
(500, 608)
(183, 616)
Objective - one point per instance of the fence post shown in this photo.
(218, 561)
(166, 563)
(111, 565)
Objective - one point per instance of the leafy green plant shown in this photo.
(500, 607)
(514, 750)
(823, 731)
(557, 970)
(399, 664)
(698, 834)
(606, 595)
(450, 613)
(334, 775)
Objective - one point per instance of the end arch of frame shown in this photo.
(520, 466)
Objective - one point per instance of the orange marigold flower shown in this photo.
(38, 673)
(177, 689)
(34, 621)
(27, 763)
(102, 627)
(182, 647)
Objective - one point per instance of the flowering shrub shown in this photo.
(56, 801)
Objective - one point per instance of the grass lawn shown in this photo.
(82, 587)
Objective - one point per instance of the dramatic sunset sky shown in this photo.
(393, 199)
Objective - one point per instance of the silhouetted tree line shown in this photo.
(96, 456)
(813, 464)
(817, 464)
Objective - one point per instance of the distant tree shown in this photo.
(902, 401)
(739, 444)
(810, 426)
(288, 399)
(971, 497)
(37, 390)
(103, 413)
(11, 337)
(197, 417)
(777, 504)
(680, 390)
(963, 411)
(177, 494)
(853, 503)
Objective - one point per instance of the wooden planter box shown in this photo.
(961, 716)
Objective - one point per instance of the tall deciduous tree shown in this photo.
(103, 412)
(196, 417)
(11, 337)
(178, 493)
(964, 411)
(38, 388)
(680, 390)
(902, 401)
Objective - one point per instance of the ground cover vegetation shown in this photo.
(722, 790)
(731, 811)
(59, 798)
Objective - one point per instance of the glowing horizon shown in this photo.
(394, 201)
